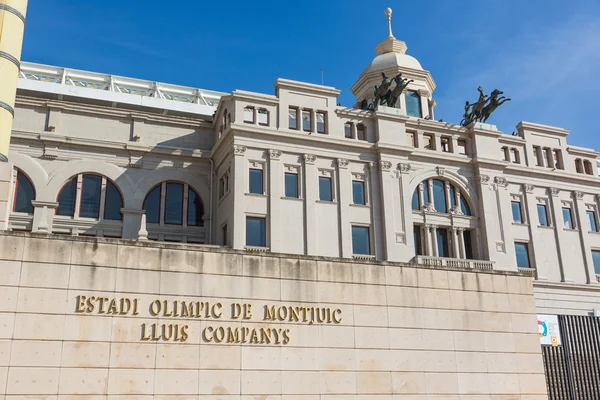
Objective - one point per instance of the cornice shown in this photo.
(547, 129)
(567, 286)
(569, 177)
(306, 87)
(582, 151)
(254, 97)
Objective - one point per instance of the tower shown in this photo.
(12, 25)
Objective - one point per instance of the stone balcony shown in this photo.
(453, 263)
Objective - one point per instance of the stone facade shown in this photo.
(383, 330)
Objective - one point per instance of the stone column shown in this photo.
(386, 207)
(377, 214)
(238, 188)
(428, 244)
(430, 192)
(132, 219)
(421, 196)
(424, 98)
(535, 243)
(583, 225)
(448, 196)
(488, 216)
(506, 245)
(460, 232)
(313, 121)
(559, 232)
(434, 242)
(275, 192)
(43, 216)
(398, 215)
(344, 201)
(455, 242)
(354, 131)
(311, 190)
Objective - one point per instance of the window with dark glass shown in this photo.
(255, 232)
(113, 203)
(418, 242)
(222, 187)
(452, 196)
(542, 215)
(593, 221)
(195, 211)
(293, 118)
(596, 260)
(468, 245)
(568, 218)
(24, 194)
(152, 206)
(325, 192)
(522, 252)
(291, 185)
(516, 212)
(66, 198)
(263, 116)
(358, 192)
(320, 122)
(224, 235)
(413, 104)
(348, 130)
(174, 204)
(256, 181)
(439, 196)
(361, 132)
(442, 242)
(415, 200)
(464, 206)
(90, 196)
(306, 121)
(360, 240)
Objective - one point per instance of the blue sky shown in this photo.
(545, 55)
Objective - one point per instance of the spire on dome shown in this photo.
(390, 44)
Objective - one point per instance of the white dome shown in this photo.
(387, 61)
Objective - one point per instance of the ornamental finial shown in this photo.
(388, 13)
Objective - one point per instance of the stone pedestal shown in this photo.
(43, 216)
(132, 219)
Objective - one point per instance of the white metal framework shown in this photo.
(117, 89)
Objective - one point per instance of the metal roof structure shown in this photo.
(117, 90)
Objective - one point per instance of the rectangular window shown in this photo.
(361, 132)
(428, 142)
(462, 146)
(537, 151)
(468, 245)
(222, 187)
(325, 193)
(320, 122)
(596, 260)
(516, 212)
(522, 252)
(255, 232)
(306, 121)
(256, 181)
(442, 242)
(542, 215)
(293, 117)
(174, 204)
(446, 144)
(360, 240)
(413, 104)
(249, 115)
(224, 235)
(348, 130)
(263, 116)
(568, 218)
(417, 239)
(592, 219)
(358, 192)
(291, 185)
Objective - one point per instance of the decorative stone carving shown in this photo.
(578, 195)
(456, 210)
(500, 247)
(528, 188)
(501, 181)
(404, 168)
(429, 207)
(239, 150)
(274, 154)
(143, 233)
(440, 171)
(386, 165)
(360, 177)
(325, 172)
(400, 238)
(309, 158)
(553, 191)
(255, 164)
(343, 163)
(483, 179)
(372, 164)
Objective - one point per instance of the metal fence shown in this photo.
(573, 369)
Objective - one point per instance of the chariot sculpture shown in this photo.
(481, 110)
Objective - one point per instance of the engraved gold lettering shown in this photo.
(254, 337)
(187, 310)
(136, 306)
(269, 313)
(295, 314)
(286, 336)
(167, 328)
(90, 304)
(155, 308)
(166, 312)
(321, 315)
(282, 313)
(215, 311)
(219, 334)
(277, 333)
(245, 333)
(175, 306)
(207, 334)
(112, 307)
(125, 306)
(233, 335)
(155, 335)
(80, 304)
(337, 316)
(247, 311)
(144, 336)
(184, 333)
(236, 310)
(265, 335)
(176, 333)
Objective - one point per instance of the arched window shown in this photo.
(413, 104)
(90, 196)
(174, 203)
(444, 197)
(24, 194)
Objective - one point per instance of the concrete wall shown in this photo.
(396, 330)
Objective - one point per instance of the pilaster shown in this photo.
(505, 249)
(311, 189)
(43, 216)
(586, 248)
(345, 199)
(377, 213)
(239, 178)
(535, 245)
(559, 232)
(132, 222)
(275, 192)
